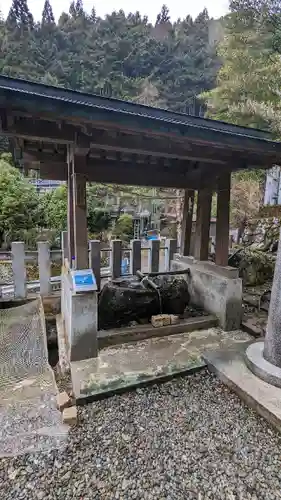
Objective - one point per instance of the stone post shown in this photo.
(116, 258)
(19, 271)
(95, 261)
(135, 262)
(170, 250)
(264, 358)
(272, 343)
(153, 262)
(64, 246)
(44, 264)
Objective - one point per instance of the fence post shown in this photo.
(64, 246)
(153, 262)
(95, 260)
(135, 262)
(19, 271)
(170, 250)
(116, 258)
(44, 264)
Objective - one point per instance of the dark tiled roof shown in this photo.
(12, 85)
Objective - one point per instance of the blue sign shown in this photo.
(84, 280)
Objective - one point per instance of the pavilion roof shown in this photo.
(125, 142)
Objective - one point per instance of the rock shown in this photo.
(63, 401)
(69, 416)
(174, 319)
(161, 320)
(124, 301)
(157, 321)
(255, 266)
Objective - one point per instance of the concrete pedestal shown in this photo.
(215, 288)
(264, 359)
(80, 316)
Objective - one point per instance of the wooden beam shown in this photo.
(80, 219)
(188, 206)
(120, 174)
(222, 224)
(70, 205)
(203, 218)
(140, 143)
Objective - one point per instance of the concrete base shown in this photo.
(80, 316)
(129, 365)
(116, 336)
(215, 288)
(229, 365)
(260, 366)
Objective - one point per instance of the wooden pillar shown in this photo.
(202, 231)
(188, 206)
(80, 220)
(222, 226)
(70, 204)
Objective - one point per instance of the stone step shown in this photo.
(230, 367)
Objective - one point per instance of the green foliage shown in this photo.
(121, 55)
(53, 207)
(124, 227)
(18, 205)
(249, 81)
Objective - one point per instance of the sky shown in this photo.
(178, 8)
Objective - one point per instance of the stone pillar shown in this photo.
(264, 358)
(64, 246)
(153, 262)
(135, 262)
(170, 251)
(44, 264)
(222, 225)
(19, 271)
(203, 217)
(70, 222)
(116, 258)
(272, 343)
(95, 260)
(80, 222)
(188, 206)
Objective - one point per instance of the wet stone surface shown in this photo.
(190, 438)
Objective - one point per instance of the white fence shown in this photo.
(112, 262)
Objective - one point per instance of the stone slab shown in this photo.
(132, 364)
(229, 365)
(108, 338)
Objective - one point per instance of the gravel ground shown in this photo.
(186, 439)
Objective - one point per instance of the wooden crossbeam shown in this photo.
(137, 143)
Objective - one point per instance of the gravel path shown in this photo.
(186, 439)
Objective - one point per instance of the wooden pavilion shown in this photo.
(79, 137)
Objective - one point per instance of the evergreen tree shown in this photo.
(76, 8)
(248, 83)
(20, 15)
(164, 16)
(47, 15)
